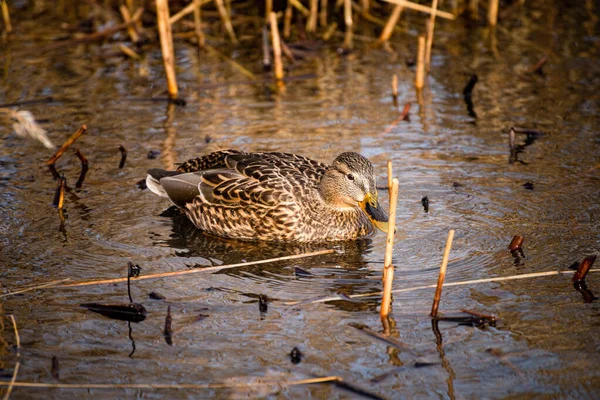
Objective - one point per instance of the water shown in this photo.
(545, 343)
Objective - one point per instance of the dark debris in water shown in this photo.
(263, 303)
(168, 331)
(301, 273)
(141, 184)
(153, 154)
(528, 185)
(156, 296)
(296, 356)
(132, 312)
(425, 203)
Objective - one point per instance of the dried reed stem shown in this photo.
(415, 288)
(442, 276)
(389, 248)
(131, 31)
(66, 145)
(311, 24)
(226, 21)
(61, 193)
(13, 380)
(287, 21)
(420, 75)
(323, 14)
(349, 23)
(43, 286)
(388, 29)
(425, 9)
(268, 8)
(6, 16)
(187, 10)
(390, 174)
(309, 381)
(276, 46)
(166, 44)
(128, 52)
(199, 270)
(430, 29)
(298, 6)
(493, 13)
(473, 8)
(395, 88)
(198, 23)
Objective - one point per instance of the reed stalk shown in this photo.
(276, 41)
(348, 21)
(388, 29)
(166, 44)
(198, 23)
(6, 16)
(66, 145)
(442, 275)
(287, 21)
(131, 31)
(226, 21)
(420, 75)
(425, 9)
(13, 380)
(323, 14)
(388, 267)
(311, 24)
(430, 30)
(493, 13)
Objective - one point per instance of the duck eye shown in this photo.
(350, 177)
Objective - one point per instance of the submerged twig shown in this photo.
(168, 331)
(29, 289)
(13, 380)
(123, 156)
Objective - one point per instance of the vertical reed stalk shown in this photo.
(430, 28)
(348, 22)
(442, 276)
(388, 268)
(390, 175)
(395, 89)
(276, 46)
(311, 24)
(287, 21)
(473, 8)
(268, 8)
(390, 24)
(226, 21)
(6, 16)
(493, 13)
(133, 35)
(323, 14)
(198, 23)
(166, 44)
(420, 76)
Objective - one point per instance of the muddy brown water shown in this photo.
(546, 342)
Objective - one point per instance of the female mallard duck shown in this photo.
(275, 196)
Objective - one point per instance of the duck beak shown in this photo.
(375, 212)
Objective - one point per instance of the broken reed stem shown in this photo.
(13, 380)
(287, 21)
(388, 29)
(187, 10)
(388, 268)
(123, 156)
(348, 22)
(420, 75)
(276, 46)
(493, 13)
(395, 87)
(425, 9)
(432, 286)
(583, 269)
(61, 193)
(131, 31)
(66, 145)
(226, 21)
(166, 45)
(298, 6)
(324, 379)
(6, 16)
(199, 270)
(430, 29)
(442, 276)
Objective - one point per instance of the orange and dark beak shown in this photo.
(375, 212)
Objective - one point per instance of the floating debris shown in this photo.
(123, 156)
(153, 154)
(125, 312)
(141, 184)
(425, 203)
(467, 95)
(301, 273)
(263, 303)
(168, 332)
(296, 356)
(537, 68)
(156, 296)
(55, 370)
(528, 185)
(405, 115)
(516, 243)
(25, 126)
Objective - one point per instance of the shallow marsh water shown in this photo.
(546, 343)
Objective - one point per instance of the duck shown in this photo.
(274, 196)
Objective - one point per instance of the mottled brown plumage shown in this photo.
(275, 196)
